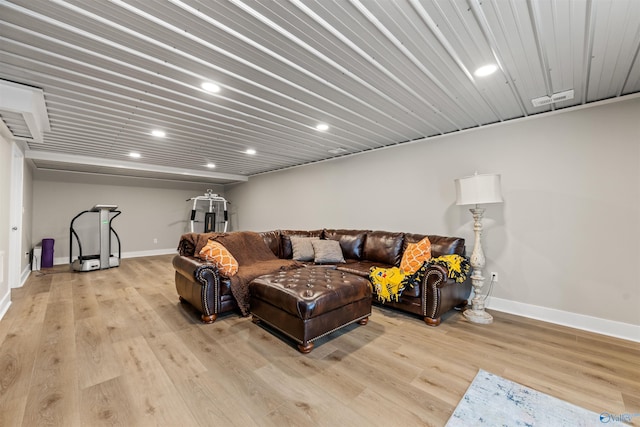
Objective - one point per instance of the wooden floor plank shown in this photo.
(210, 406)
(115, 347)
(95, 356)
(54, 394)
(12, 411)
(154, 398)
(178, 360)
(108, 404)
(85, 303)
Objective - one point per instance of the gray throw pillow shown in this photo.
(302, 249)
(327, 251)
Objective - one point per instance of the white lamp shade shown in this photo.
(478, 189)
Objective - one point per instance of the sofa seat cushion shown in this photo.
(383, 247)
(361, 268)
(225, 287)
(413, 292)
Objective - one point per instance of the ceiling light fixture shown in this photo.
(322, 127)
(250, 151)
(338, 150)
(210, 87)
(211, 165)
(134, 155)
(485, 70)
(158, 133)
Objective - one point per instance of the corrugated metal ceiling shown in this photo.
(378, 72)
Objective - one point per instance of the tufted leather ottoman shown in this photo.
(310, 302)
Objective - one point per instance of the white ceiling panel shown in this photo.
(378, 72)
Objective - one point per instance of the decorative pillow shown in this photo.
(220, 257)
(301, 248)
(415, 255)
(327, 251)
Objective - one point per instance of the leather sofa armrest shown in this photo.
(436, 276)
(441, 293)
(198, 283)
(194, 268)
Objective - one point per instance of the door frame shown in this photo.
(14, 262)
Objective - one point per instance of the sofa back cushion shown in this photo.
(384, 247)
(286, 252)
(272, 239)
(351, 241)
(440, 245)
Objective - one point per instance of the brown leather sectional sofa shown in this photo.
(200, 284)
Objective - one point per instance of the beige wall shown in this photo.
(566, 237)
(151, 209)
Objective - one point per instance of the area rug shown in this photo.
(491, 400)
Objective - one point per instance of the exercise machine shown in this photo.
(216, 217)
(104, 259)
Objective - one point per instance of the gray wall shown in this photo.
(566, 237)
(151, 209)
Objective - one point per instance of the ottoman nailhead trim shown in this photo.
(319, 336)
(339, 327)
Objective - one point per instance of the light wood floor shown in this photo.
(115, 347)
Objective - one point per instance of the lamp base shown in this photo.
(478, 316)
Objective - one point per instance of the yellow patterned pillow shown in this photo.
(415, 255)
(220, 257)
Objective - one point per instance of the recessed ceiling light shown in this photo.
(158, 133)
(250, 151)
(322, 127)
(485, 70)
(337, 150)
(210, 87)
(211, 165)
(134, 155)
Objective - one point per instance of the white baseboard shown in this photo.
(137, 254)
(149, 253)
(25, 275)
(5, 303)
(598, 325)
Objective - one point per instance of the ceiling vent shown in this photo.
(556, 97)
(23, 110)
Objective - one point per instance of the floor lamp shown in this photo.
(478, 190)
